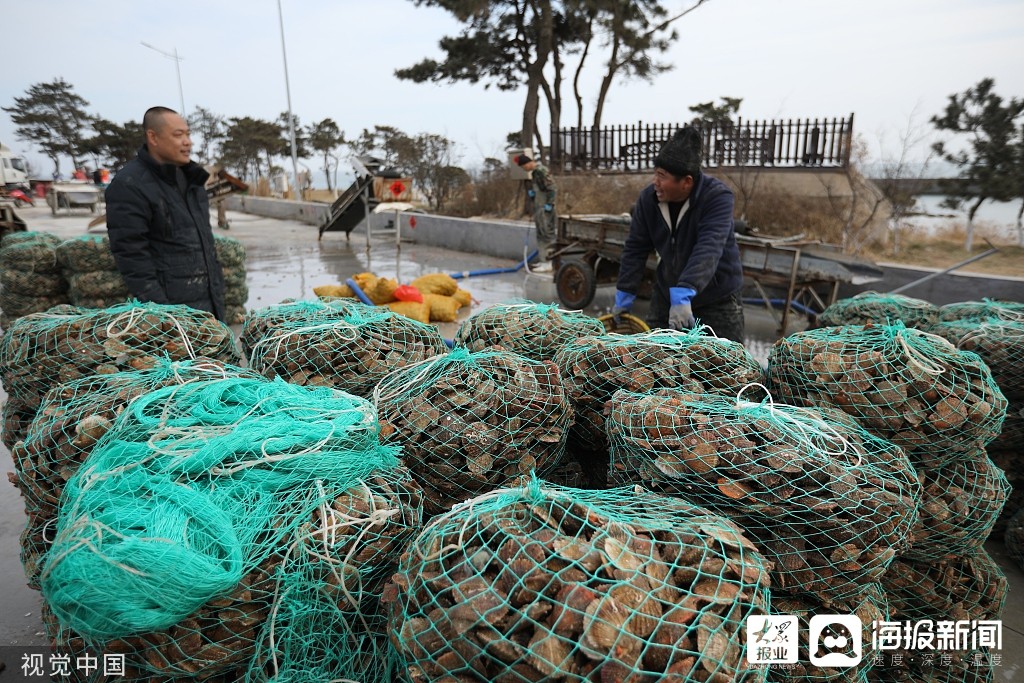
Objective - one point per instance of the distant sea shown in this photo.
(993, 219)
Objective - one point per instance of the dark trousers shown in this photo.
(725, 317)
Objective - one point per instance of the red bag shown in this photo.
(408, 293)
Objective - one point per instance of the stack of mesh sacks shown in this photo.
(93, 278)
(30, 276)
(44, 350)
(594, 367)
(231, 255)
(232, 528)
(546, 583)
(942, 407)
(995, 331)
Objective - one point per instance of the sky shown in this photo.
(892, 63)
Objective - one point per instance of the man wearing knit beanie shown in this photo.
(686, 217)
(542, 193)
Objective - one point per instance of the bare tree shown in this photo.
(900, 179)
(857, 209)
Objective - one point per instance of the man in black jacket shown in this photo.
(158, 220)
(686, 217)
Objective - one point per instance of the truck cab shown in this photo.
(13, 170)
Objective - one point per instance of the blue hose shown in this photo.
(359, 292)
(781, 303)
(493, 271)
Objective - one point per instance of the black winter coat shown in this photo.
(701, 253)
(161, 239)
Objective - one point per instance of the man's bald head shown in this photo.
(154, 118)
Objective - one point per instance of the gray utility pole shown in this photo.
(177, 67)
(291, 119)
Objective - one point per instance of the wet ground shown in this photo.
(285, 260)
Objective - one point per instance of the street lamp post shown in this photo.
(288, 93)
(177, 67)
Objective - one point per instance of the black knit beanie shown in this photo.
(681, 155)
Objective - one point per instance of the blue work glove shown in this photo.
(548, 208)
(623, 303)
(680, 314)
(531, 193)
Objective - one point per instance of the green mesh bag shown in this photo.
(234, 315)
(86, 254)
(31, 252)
(1000, 343)
(38, 285)
(1009, 461)
(549, 583)
(17, 305)
(873, 307)
(960, 504)
(595, 368)
(469, 423)
(830, 504)
(234, 277)
(1014, 538)
(1011, 437)
(46, 349)
(71, 419)
(236, 295)
(869, 605)
(230, 252)
(28, 236)
(268, 321)
(229, 522)
(530, 329)
(351, 351)
(961, 588)
(97, 284)
(980, 310)
(913, 388)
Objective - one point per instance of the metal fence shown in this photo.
(780, 144)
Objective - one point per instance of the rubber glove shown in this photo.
(531, 193)
(623, 303)
(548, 208)
(680, 314)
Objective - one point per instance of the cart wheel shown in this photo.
(576, 283)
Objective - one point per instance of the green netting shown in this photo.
(86, 254)
(869, 605)
(549, 583)
(71, 419)
(916, 389)
(961, 588)
(229, 520)
(230, 252)
(528, 328)
(349, 347)
(28, 236)
(980, 310)
(874, 307)
(960, 504)
(46, 349)
(1000, 343)
(236, 295)
(17, 305)
(595, 368)
(469, 423)
(234, 276)
(1011, 437)
(1014, 538)
(830, 504)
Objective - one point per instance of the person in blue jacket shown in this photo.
(686, 217)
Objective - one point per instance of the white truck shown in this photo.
(13, 170)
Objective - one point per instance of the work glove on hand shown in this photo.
(548, 208)
(623, 303)
(680, 314)
(531, 193)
